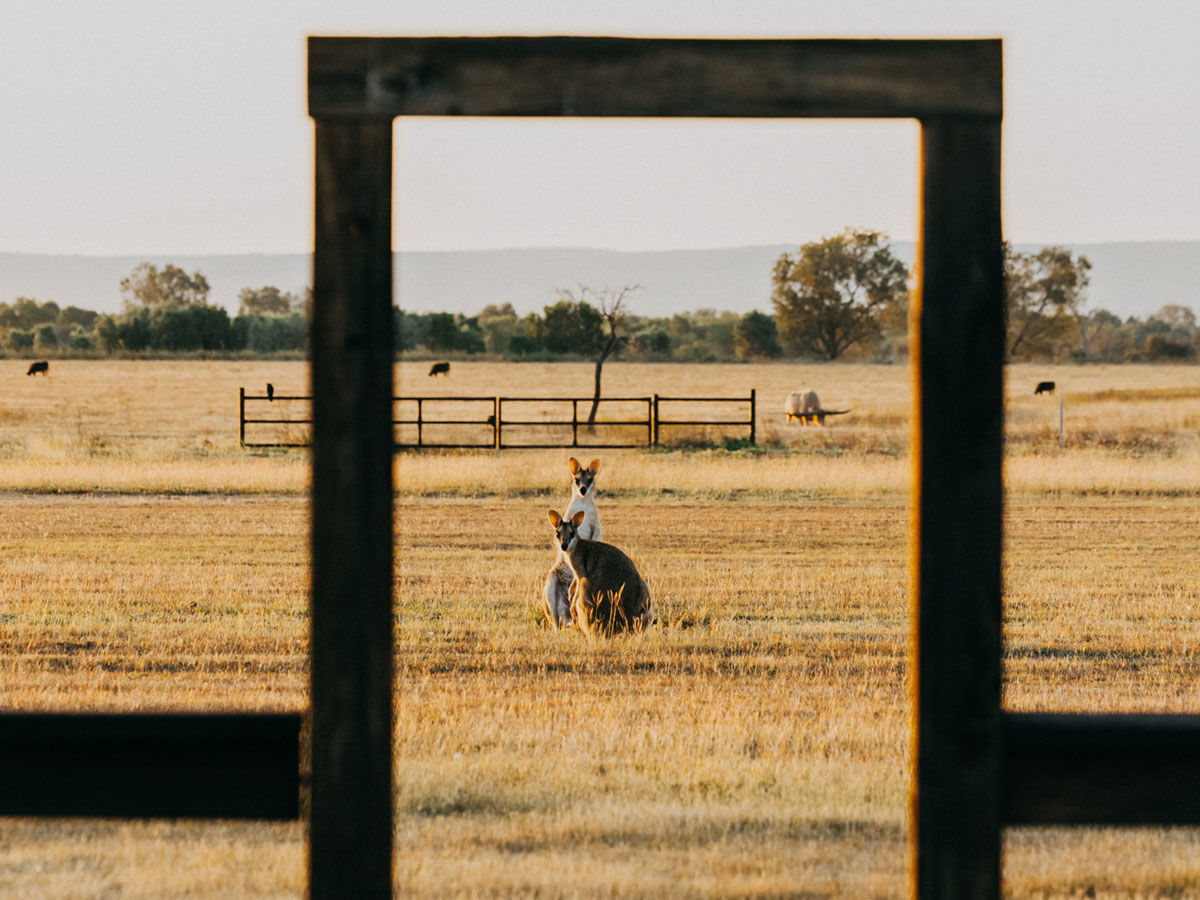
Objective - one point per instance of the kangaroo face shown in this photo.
(566, 530)
(583, 478)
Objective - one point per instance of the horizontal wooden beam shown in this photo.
(236, 766)
(1101, 769)
(657, 77)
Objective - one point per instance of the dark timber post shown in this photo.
(655, 429)
(242, 416)
(958, 325)
(350, 837)
(752, 416)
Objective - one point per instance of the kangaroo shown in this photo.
(608, 596)
(558, 581)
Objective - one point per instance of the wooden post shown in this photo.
(958, 331)
(420, 423)
(752, 416)
(496, 422)
(350, 830)
(655, 441)
(574, 423)
(242, 417)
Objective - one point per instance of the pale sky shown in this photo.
(150, 127)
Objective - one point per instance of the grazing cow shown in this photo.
(805, 407)
(442, 368)
(40, 366)
(270, 392)
(1044, 387)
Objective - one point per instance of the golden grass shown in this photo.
(753, 744)
(171, 427)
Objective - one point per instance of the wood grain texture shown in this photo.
(351, 344)
(634, 77)
(1101, 769)
(133, 765)
(958, 353)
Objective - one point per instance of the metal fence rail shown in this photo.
(512, 423)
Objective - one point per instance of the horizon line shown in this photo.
(555, 247)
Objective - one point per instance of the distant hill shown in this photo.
(1129, 279)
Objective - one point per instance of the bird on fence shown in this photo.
(270, 392)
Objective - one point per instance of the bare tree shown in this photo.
(610, 304)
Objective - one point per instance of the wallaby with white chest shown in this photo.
(608, 595)
(558, 581)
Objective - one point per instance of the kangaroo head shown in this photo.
(566, 530)
(583, 478)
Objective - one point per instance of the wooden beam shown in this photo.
(1101, 769)
(350, 852)
(958, 354)
(239, 766)
(634, 77)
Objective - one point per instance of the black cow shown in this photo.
(40, 366)
(442, 368)
(1044, 387)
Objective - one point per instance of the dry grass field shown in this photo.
(751, 745)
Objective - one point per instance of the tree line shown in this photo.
(163, 311)
(843, 297)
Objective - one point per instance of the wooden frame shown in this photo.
(975, 768)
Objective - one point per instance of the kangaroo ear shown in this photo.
(555, 519)
(595, 466)
(574, 464)
(577, 519)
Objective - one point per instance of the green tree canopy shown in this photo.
(25, 313)
(572, 326)
(267, 301)
(47, 339)
(828, 297)
(756, 335)
(1040, 288)
(171, 288)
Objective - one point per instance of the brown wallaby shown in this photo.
(608, 595)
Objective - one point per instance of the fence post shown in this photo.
(420, 424)
(752, 417)
(574, 423)
(241, 417)
(499, 423)
(649, 421)
(496, 423)
(655, 428)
